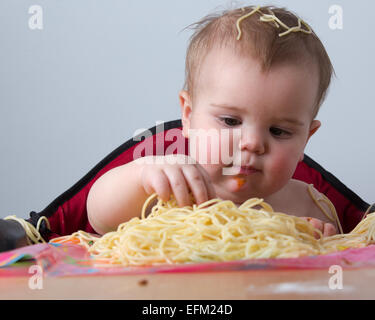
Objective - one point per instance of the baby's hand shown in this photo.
(327, 229)
(174, 174)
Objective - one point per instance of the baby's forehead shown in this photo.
(228, 77)
(232, 59)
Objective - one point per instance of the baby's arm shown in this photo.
(119, 194)
(115, 197)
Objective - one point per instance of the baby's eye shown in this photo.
(230, 122)
(279, 133)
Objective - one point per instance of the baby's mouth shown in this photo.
(248, 170)
(240, 170)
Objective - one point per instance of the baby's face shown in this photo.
(267, 116)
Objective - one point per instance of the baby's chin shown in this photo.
(236, 184)
(237, 190)
(230, 191)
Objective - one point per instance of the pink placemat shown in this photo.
(72, 260)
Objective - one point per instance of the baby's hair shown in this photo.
(269, 34)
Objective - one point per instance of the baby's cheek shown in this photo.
(214, 172)
(205, 147)
(225, 148)
(282, 166)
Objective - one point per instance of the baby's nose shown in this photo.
(253, 142)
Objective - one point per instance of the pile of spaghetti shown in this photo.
(216, 230)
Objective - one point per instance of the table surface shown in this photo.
(252, 284)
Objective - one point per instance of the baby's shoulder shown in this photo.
(297, 198)
(300, 190)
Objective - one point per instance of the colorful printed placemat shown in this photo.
(72, 260)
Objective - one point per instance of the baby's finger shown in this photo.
(157, 182)
(209, 186)
(329, 230)
(196, 183)
(178, 185)
(317, 224)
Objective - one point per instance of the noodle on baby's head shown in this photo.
(271, 17)
(216, 230)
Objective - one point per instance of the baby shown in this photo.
(257, 74)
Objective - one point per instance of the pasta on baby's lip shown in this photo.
(216, 230)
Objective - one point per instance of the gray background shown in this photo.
(99, 70)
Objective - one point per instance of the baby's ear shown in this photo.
(186, 108)
(314, 126)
